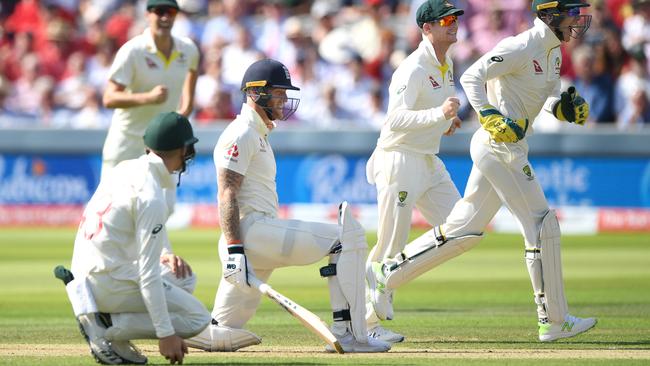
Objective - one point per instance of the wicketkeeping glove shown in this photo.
(235, 267)
(571, 107)
(501, 128)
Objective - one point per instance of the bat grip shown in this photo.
(257, 284)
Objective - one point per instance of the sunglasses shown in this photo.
(573, 12)
(164, 10)
(447, 21)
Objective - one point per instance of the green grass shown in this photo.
(478, 302)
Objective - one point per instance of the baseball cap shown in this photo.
(538, 5)
(169, 131)
(155, 3)
(432, 10)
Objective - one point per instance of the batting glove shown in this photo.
(235, 267)
(571, 107)
(501, 128)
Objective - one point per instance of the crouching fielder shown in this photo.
(128, 285)
(522, 74)
(254, 241)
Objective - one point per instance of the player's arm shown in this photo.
(187, 96)
(116, 96)
(229, 184)
(404, 93)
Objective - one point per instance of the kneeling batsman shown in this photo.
(255, 241)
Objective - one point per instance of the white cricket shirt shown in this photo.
(243, 147)
(414, 120)
(522, 74)
(139, 66)
(123, 233)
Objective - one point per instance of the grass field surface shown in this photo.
(476, 309)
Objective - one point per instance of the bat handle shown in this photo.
(257, 284)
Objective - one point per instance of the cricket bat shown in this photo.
(310, 320)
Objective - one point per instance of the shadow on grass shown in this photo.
(543, 345)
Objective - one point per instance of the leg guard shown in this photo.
(347, 282)
(545, 269)
(219, 338)
(425, 253)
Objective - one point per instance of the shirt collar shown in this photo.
(549, 39)
(428, 48)
(254, 119)
(159, 170)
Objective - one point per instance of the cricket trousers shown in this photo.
(269, 243)
(123, 300)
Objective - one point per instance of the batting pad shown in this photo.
(81, 297)
(424, 253)
(553, 283)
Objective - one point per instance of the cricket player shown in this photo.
(122, 254)
(404, 166)
(508, 87)
(255, 241)
(152, 73)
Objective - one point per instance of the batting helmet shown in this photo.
(554, 12)
(260, 78)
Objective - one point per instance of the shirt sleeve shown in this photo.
(193, 55)
(405, 92)
(553, 98)
(122, 69)
(507, 57)
(151, 237)
(235, 154)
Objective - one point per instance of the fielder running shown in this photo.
(522, 75)
(127, 282)
(404, 166)
(152, 73)
(255, 241)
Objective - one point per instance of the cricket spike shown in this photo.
(63, 274)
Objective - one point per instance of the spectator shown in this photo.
(633, 94)
(219, 108)
(636, 29)
(353, 91)
(237, 56)
(225, 16)
(594, 84)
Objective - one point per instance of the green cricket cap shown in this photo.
(155, 3)
(432, 10)
(169, 131)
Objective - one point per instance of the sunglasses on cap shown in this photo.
(447, 21)
(164, 10)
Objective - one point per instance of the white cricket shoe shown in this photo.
(383, 334)
(219, 338)
(381, 296)
(128, 352)
(93, 329)
(572, 326)
(351, 345)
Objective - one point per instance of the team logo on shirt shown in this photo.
(450, 77)
(232, 153)
(538, 68)
(528, 172)
(181, 58)
(558, 65)
(434, 83)
(402, 197)
(156, 229)
(262, 145)
(150, 63)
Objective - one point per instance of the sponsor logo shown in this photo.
(537, 67)
(232, 153)
(567, 326)
(400, 90)
(496, 59)
(151, 63)
(156, 229)
(434, 83)
(402, 197)
(528, 172)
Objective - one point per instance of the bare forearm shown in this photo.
(187, 98)
(229, 218)
(124, 99)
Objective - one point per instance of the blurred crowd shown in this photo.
(55, 55)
